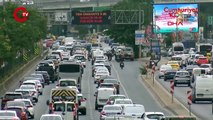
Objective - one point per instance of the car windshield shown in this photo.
(106, 85)
(111, 81)
(59, 107)
(134, 109)
(12, 96)
(123, 102)
(31, 87)
(204, 66)
(154, 116)
(117, 97)
(15, 103)
(112, 108)
(51, 118)
(67, 83)
(24, 92)
(7, 114)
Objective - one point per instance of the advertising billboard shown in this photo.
(88, 18)
(169, 18)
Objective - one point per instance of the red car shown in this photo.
(202, 60)
(20, 111)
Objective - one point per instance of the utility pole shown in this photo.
(139, 27)
(97, 25)
(70, 21)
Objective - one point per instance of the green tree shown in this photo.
(21, 35)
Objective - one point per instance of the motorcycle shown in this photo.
(121, 65)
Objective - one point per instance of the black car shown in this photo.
(169, 74)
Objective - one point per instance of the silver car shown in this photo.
(182, 77)
(110, 111)
(33, 90)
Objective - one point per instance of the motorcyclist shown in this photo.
(121, 63)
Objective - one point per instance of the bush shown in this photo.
(143, 70)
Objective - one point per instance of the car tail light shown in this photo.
(33, 93)
(74, 112)
(103, 113)
(39, 86)
(29, 106)
(108, 102)
(14, 118)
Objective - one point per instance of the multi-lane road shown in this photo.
(131, 86)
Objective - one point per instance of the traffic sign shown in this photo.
(189, 97)
(139, 37)
(210, 20)
(172, 86)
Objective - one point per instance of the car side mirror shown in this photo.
(48, 102)
(85, 98)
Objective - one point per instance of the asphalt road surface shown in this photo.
(202, 109)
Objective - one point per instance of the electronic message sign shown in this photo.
(172, 17)
(83, 18)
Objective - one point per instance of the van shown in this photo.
(102, 96)
(198, 72)
(203, 88)
(66, 109)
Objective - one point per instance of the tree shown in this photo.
(21, 35)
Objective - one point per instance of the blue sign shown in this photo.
(139, 37)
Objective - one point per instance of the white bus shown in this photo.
(177, 48)
(203, 48)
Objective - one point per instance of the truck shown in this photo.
(64, 101)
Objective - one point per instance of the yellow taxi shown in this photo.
(175, 65)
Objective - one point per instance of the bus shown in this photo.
(178, 48)
(204, 48)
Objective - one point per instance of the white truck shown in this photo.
(64, 101)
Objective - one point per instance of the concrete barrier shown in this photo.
(16, 76)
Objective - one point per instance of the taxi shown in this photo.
(175, 65)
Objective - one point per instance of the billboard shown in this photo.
(169, 18)
(85, 18)
(61, 16)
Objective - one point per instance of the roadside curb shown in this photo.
(12, 79)
(164, 97)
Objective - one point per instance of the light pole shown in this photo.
(97, 7)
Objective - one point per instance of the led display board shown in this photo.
(94, 17)
(169, 18)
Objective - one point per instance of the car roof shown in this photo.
(13, 93)
(147, 113)
(113, 105)
(51, 115)
(126, 99)
(117, 95)
(22, 100)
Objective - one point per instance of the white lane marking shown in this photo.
(89, 98)
(120, 81)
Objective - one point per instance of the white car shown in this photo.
(29, 105)
(133, 110)
(163, 69)
(99, 74)
(31, 88)
(152, 116)
(100, 69)
(51, 117)
(81, 58)
(37, 84)
(8, 115)
(109, 111)
(123, 102)
(51, 63)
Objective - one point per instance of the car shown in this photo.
(133, 110)
(15, 103)
(202, 60)
(8, 115)
(40, 77)
(82, 107)
(10, 96)
(162, 70)
(110, 111)
(37, 84)
(112, 98)
(50, 62)
(153, 116)
(27, 94)
(45, 75)
(177, 58)
(190, 68)
(81, 58)
(175, 64)
(29, 106)
(100, 73)
(31, 88)
(51, 117)
(115, 82)
(169, 74)
(182, 77)
(20, 111)
(123, 102)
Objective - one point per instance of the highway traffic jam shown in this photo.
(62, 73)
